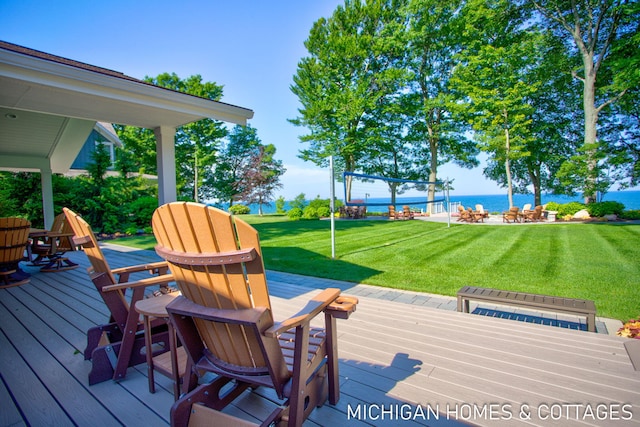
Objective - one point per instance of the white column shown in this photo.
(166, 161)
(47, 197)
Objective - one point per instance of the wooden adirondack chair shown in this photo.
(14, 235)
(533, 216)
(51, 246)
(224, 320)
(512, 215)
(406, 212)
(392, 212)
(481, 212)
(465, 215)
(124, 332)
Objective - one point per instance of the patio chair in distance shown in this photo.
(512, 215)
(14, 235)
(480, 211)
(124, 331)
(406, 212)
(392, 212)
(465, 215)
(225, 322)
(534, 215)
(51, 246)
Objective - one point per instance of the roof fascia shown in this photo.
(49, 73)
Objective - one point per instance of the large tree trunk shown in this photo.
(537, 192)
(433, 174)
(590, 127)
(507, 163)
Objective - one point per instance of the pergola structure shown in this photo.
(50, 104)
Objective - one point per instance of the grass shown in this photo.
(591, 261)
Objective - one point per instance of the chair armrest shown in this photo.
(314, 307)
(342, 307)
(155, 280)
(141, 267)
(56, 234)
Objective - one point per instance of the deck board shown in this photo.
(394, 351)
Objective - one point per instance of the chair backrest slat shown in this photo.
(14, 234)
(84, 233)
(100, 271)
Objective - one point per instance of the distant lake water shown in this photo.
(500, 202)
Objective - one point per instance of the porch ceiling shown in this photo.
(49, 104)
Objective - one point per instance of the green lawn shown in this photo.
(592, 261)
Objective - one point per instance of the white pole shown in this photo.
(332, 209)
(447, 203)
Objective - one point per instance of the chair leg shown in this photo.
(208, 395)
(95, 337)
(128, 337)
(105, 359)
(332, 358)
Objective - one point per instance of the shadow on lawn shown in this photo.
(301, 261)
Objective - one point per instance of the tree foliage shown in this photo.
(351, 69)
(246, 170)
(495, 78)
(393, 88)
(196, 143)
(599, 34)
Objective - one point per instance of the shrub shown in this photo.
(141, 210)
(239, 209)
(633, 214)
(553, 206)
(324, 212)
(310, 213)
(570, 208)
(131, 231)
(295, 214)
(298, 202)
(280, 205)
(601, 209)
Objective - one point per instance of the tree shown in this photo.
(595, 30)
(555, 126)
(263, 177)
(622, 125)
(622, 140)
(494, 75)
(234, 160)
(140, 144)
(246, 169)
(196, 143)
(433, 39)
(99, 164)
(352, 65)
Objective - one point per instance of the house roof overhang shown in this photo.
(49, 105)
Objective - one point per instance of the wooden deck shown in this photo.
(401, 363)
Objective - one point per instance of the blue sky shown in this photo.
(251, 47)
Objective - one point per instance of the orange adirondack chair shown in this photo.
(393, 214)
(224, 320)
(512, 215)
(14, 235)
(406, 212)
(124, 331)
(534, 215)
(465, 215)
